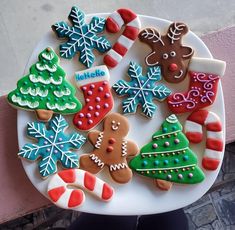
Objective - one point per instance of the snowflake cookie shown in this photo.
(81, 37)
(53, 145)
(141, 89)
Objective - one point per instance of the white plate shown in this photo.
(140, 196)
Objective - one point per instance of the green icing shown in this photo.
(168, 157)
(45, 87)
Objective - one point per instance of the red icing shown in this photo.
(127, 15)
(173, 67)
(89, 181)
(68, 175)
(131, 32)
(119, 48)
(107, 192)
(112, 141)
(214, 144)
(109, 61)
(210, 164)
(56, 193)
(100, 100)
(194, 137)
(214, 126)
(109, 149)
(76, 198)
(112, 26)
(198, 116)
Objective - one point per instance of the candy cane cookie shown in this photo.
(63, 188)
(114, 24)
(214, 136)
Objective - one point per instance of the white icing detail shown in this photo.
(115, 127)
(207, 65)
(48, 56)
(213, 154)
(84, 77)
(116, 56)
(42, 67)
(180, 75)
(175, 33)
(135, 23)
(171, 151)
(153, 35)
(97, 160)
(191, 126)
(165, 56)
(61, 107)
(125, 41)
(119, 166)
(211, 118)
(117, 18)
(215, 135)
(62, 93)
(124, 148)
(158, 169)
(172, 118)
(31, 105)
(188, 55)
(99, 140)
(34, 92)
(33, 78)
(148, 63)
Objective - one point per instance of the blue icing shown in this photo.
(141, 89)
(53, 145)
(82, 37)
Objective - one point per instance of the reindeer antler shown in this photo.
(176, 31)
(150, 35)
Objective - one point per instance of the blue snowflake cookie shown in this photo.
(141, 89)
(81, 37)
(53, 145)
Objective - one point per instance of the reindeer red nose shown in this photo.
(172, 67)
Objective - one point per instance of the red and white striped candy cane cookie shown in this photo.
(63, 192)
(114, 24)
(214, 136)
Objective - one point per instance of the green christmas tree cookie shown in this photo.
(45, 89)
(167, 158)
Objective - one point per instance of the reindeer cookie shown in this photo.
(110, 149)
(168, 52)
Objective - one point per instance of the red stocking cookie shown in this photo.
(204, 76)
(114, 24)
(64, 188)
(214, 139)
(111, 149)
(168, 52)
(99, 101)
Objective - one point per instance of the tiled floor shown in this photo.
(214, 211)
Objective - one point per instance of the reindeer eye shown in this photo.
(173, 53)
(165, 56)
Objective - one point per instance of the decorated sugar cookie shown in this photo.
(65, 188)
(214, 136)
(110, 149)
(204, 76)
(53, 145)
(94, 83)
(167, 158)
(141, 90)
(81, 37)
(167, 51)
(45, 89)
(114, 24)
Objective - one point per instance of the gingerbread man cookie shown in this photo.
(168, 52)
(110, 149)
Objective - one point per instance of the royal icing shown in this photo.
(53, 146)
(81, 37)
(202, 87)
(141, 90)
(168, 52)
(98, 98)
(111, 149)
(214, 132)
(114, 24)
(167, 157)
(45, 88)
(65, 188)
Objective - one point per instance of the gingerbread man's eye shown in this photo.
(118, 123)
(165, 56)
(173, 53)
(113, 122)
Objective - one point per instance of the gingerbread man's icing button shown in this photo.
(109, 149)
(112, 141)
